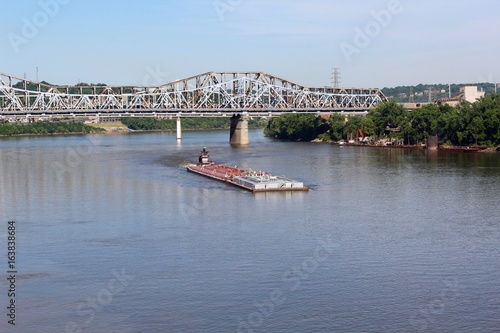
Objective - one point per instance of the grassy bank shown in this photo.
(111, 127)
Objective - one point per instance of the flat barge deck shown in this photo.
(254, 181)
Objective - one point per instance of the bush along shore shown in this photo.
(131, 123)
(198, 123)
(476, 124)
(47, 128)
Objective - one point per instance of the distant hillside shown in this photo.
(421, 92)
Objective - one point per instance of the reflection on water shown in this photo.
(413, 237)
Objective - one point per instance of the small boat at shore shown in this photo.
(254, 181)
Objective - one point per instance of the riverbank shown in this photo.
(462, 149)
(47, 128)
(111, 127)
(465, 125)
(69, 128)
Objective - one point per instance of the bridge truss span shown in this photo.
(213, 93)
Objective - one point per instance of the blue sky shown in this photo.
(149, 42)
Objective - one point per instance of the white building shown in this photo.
(467, 93)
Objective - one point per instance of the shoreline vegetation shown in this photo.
(208, 123)
(127, 124)
(47, 128)
(466, 125)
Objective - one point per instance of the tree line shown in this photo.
(464, 125)
(401, 94)
(133, 123)
(44, 128)
(198, 123)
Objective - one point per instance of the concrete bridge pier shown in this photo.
(238, 135)
(179, 130)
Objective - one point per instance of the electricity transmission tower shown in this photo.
(336, 77)
(410, 99)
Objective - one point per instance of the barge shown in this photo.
(254, 181)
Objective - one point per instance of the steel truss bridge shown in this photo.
(210, 94)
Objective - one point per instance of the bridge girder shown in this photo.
(228, 92)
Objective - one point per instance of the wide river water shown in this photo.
(114, 235)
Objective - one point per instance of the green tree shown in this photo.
(445, 122)
(337, 124)
(470, 124)
(489, 110)
(353, 125)
(296, 127)
(388, 115)
(368, 126)
(423, 121)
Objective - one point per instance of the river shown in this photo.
(113, 235)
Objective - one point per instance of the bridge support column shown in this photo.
(179, 130)
(432, 142)
(238, 135)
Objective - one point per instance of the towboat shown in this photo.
(254, 181)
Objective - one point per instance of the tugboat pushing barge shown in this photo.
(253, 181)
